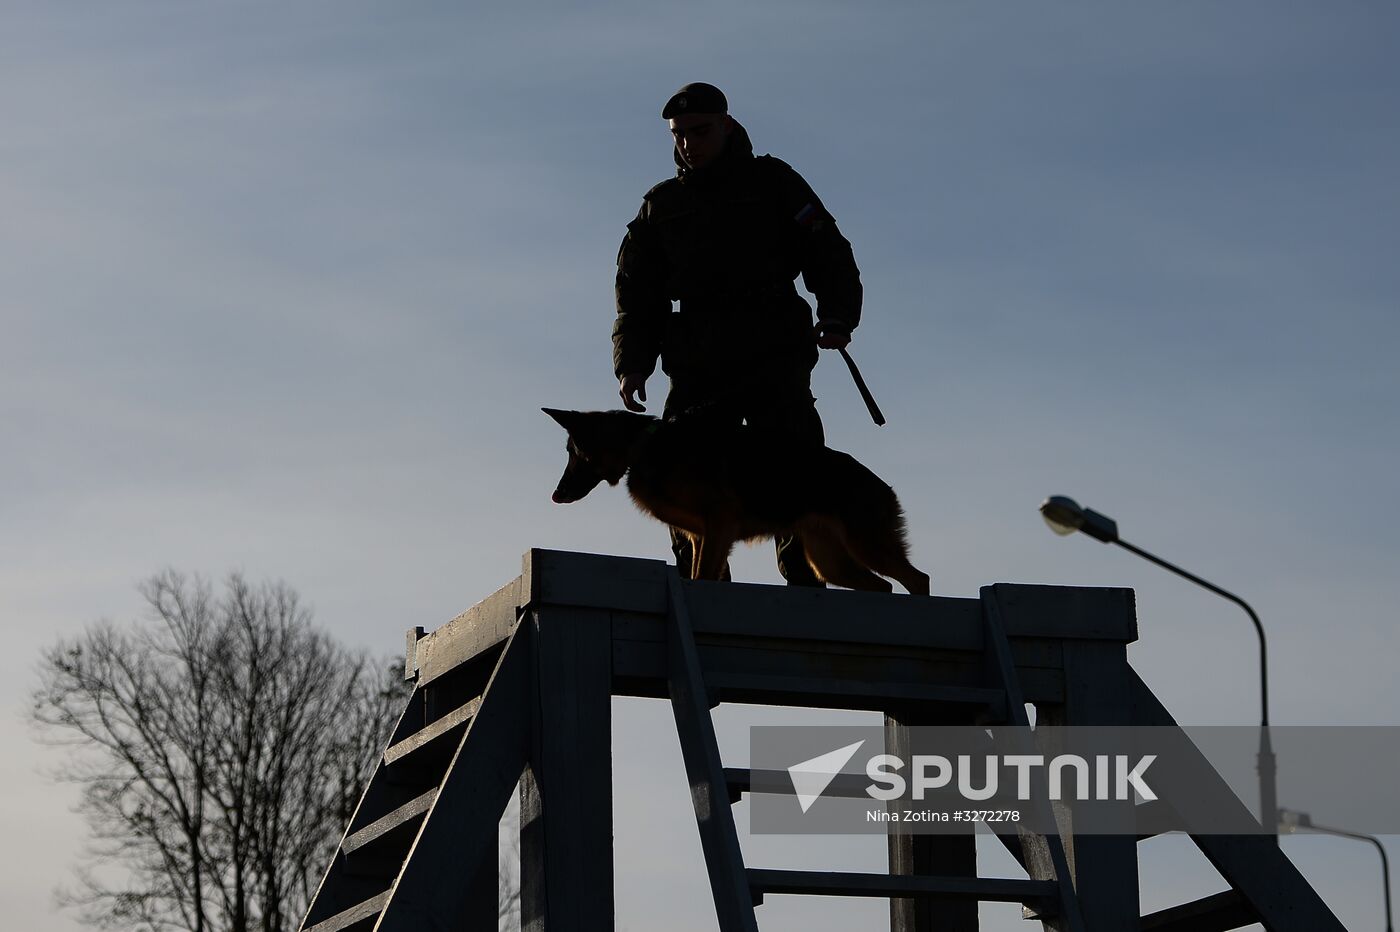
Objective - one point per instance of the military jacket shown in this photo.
(727, 242)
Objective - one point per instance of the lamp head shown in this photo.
(1064, 516)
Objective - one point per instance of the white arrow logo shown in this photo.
(811, 777)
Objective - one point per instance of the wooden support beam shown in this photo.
(1252, 864)
(591, 580)
(484, 625)
(1219, 912)
(751, 612)
(849, 693)
(928, 857)
(950, 890)
(566, 793)
(770, 665)
(625, 584)
(1150, 815)
(1104, 867)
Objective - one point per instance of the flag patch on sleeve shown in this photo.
(810, 217)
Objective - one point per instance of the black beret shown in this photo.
(695, 98)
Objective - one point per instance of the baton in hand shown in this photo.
(874, 409)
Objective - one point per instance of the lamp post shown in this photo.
(1065, 516)
(1294, 822)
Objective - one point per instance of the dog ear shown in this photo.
(565, 419)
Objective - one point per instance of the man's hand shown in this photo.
(630, 385)
(832, 334)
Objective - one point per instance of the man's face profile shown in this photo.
(700, 137)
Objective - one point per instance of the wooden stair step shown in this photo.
(1219, 912)
(360, 913)
(380, 827)
(425, 736)
(741, 780)
(845, 883)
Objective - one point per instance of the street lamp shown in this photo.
(1065, 516)
(1294, 822)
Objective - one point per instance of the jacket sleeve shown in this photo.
(642, 304)
(828, 265)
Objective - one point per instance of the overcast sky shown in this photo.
(283, 286)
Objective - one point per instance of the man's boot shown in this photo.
(792, 563)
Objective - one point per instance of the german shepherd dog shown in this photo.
(719, 483)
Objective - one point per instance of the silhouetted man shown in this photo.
(727, 238)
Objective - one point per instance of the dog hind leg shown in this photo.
(880, 547)
(912, 578)
(892, 562)
(828, 556)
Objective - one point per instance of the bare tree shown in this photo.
(221, 747)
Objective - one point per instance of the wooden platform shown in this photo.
(518, 690)
(824, 648)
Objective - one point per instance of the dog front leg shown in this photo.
(711, 555)
(691, 552)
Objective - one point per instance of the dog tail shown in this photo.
(873, 521)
